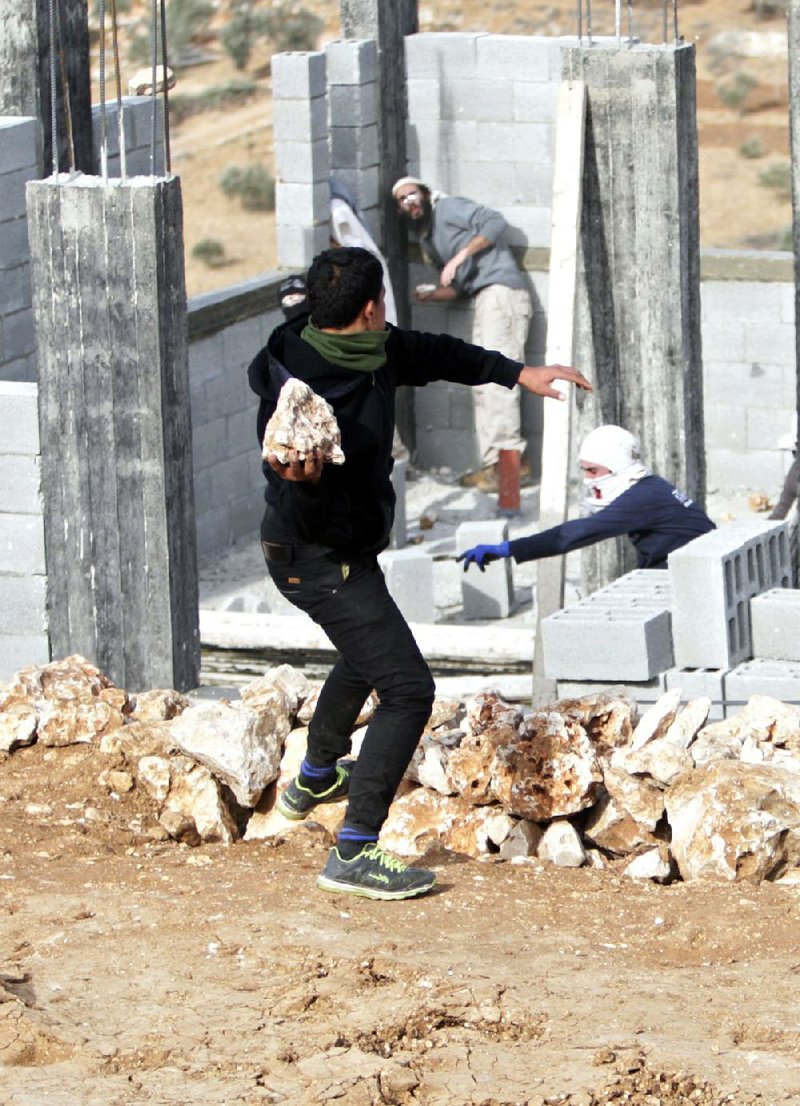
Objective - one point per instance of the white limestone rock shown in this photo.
(654, 865)
(734, 821)
(660, 759)
(522, 840)
(561, 845)
(291, 684)
(688, 721)
(241, 747)
(657, 719)
(303, 421)
(194, 810)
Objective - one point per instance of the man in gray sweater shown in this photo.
(466, 242)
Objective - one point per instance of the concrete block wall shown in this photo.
(749, 372)
(23, 582)
(228, 482)
(137, 122)
(352, 67)
(713, 579)
(20, 143)
(302, 157)
(775, 622)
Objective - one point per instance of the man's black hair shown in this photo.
(340, 282)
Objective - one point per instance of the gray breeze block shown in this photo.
(712, 581)
(606, 643)
(780, 679)
(775, 622)
(409, 578)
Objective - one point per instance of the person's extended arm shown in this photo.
(475, 245)
(611, 522)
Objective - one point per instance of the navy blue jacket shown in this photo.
(655, 515)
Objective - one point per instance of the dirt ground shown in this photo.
(736, 209)
(138, 971)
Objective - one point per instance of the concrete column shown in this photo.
(638, 310)
(25, 68)
(110, 319)
(388, 24)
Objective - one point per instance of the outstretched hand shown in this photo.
(307, 469)
(482, 555)
(539, 379)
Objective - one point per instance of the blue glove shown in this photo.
(482, 555)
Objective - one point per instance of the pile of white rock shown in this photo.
(664, 795)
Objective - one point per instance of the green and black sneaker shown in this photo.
(375, 874)
(298, 801)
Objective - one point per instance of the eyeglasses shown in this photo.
(410, 198)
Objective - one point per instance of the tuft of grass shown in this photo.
(777, 177)
(235, 92)
(255, 187)
(209, 250)
(752, 147)
(733, 91)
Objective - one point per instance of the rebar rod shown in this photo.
(123, 161)
(167, 155)
(65, 86)
(153, 84)
(103, 122)
(53, 111)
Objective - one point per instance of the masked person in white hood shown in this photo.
(621, 496)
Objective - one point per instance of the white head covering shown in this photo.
(398, 184)
(617, 450)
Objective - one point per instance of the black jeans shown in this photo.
(351, 603)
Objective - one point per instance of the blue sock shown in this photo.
(350, 842)
(314, 778)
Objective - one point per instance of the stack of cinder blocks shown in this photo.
(325, 108)
(19, 141)
(23, 580)
(725, 611)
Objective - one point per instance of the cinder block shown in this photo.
(642, 691)
(780, 679)
(742, 299)
(354, 147)
(23, 605)
(534, 101)
(775, 337)
(353, 105)
(19, 418)
(399, 537)
(12, 193)
(20, 140)
(528, 56)
(724, 337)
(713, 579)
(299, 245)
(14, 248)
(484, 101)
(409, 578)
(775, 623)
(298, 76)
(427, 53)
(302, 204)
(300, 120)
(697, 682)
(606, 643)
(15, 287)
(363, 183)
(424, 99)
(18, 337)
(352, 61)
(20, 486)
(514, 142)
(210, 443)
(19, 650)
(22, 544)
(302, 162)
(487, 594)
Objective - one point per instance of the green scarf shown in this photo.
(362, 350)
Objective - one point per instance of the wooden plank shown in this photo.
(556, 439)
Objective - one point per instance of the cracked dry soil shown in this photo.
(140, 971)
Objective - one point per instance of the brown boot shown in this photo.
(484, 480)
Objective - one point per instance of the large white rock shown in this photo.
(688, 720)
(654, 864)
(241, 747)
(660, 759)
(523, 840)
(614, 829)
(561, 845)
(303, 421)
(282, 688)
(734, 821)
(549, 770)
(194, 810)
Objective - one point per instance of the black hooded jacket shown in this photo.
(351, 508)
